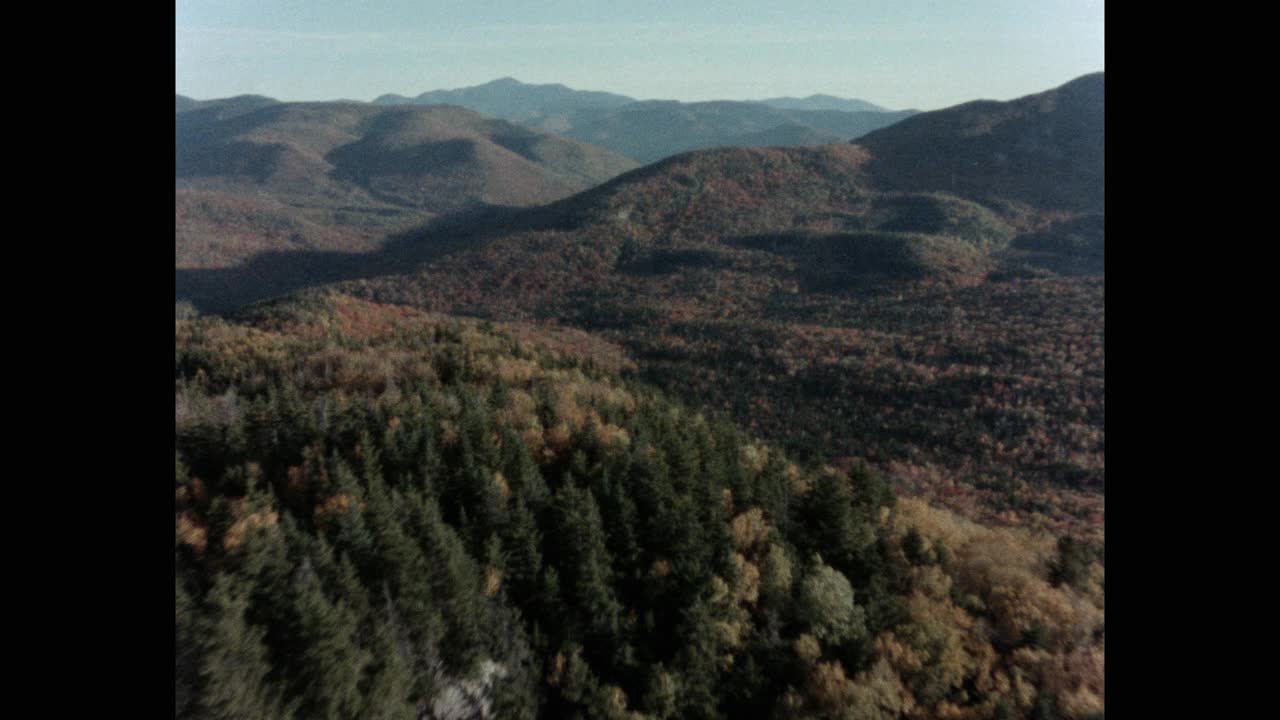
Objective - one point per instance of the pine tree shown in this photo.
(234, 666)
(586, 566)
(454, 580)
(522, 542)
(391, 683)
(327, 671)
(186, 651)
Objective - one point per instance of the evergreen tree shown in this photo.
(186, 651)
(327, 672)
(522, 543)
(390, 690)
(234, 666)
(586, 566)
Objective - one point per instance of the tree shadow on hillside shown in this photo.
(270, 274)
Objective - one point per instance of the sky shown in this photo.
(921, 54)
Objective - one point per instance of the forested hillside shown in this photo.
(386, 513)
(280, 183)
(932, 335)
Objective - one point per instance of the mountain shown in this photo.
(821, 299)
(841, 318)
(1046, 149)
(822, 102)
(224, 107)
(256, 176)
(435, 159)
(650, 130)
(510, 99)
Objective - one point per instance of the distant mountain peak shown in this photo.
(822, 101)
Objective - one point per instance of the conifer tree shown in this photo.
(327, 671)
(234, 666)
(586, 564)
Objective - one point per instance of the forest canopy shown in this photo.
(385, 513)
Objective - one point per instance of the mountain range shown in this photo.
(254, 174)
(847, 299)
(492, 422)
(649, 130)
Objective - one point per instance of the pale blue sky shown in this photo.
(923, 54)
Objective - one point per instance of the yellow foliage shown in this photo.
(556, 670)
(828, 687)
(520, 410)
(609, 435)
(334, 505)
(558, 436)
(191, 533)
(807, 648)
(879, 693)
(182, 497)
(514, 371)
(1080, 703)
(932, 581)
(748, 586)
(797, 481)
(500, 486)
(533, 439)
(937, 633)
(730, 632)
(900, 656)
(753, 459)
(492, 581)
(448, 434)
(236, 533)
(719, 590)
(749, 529)
(615, 702)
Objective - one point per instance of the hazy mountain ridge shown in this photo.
(649, 130)
(373, 168)
(823, 102)
(510, 99)
(297, 190)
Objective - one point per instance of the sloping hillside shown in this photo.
(434, 159)
(1046, 149)
(844, 320)
(254, 175)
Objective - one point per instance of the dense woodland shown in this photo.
(931, 335)
(384, 513)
